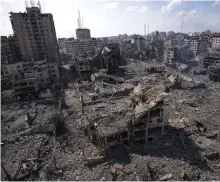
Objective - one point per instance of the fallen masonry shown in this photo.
(101, 135)
(214, 73)
(140, 116)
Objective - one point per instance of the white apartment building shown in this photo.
(193, 44)
(215, 42)
(78, 47)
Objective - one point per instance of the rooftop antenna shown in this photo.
(144, 29)
(44, 7)
(79, 21)
(182, 27)
(82, 23)
(32, 3)
(26, 4)
(39, 5)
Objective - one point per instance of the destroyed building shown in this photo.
(210, 61)
(108, 58)
(214, 72)
(30, 77)
(83, 68)
(140, 117)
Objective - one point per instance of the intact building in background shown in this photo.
(215, 42)
(35, 33)
(83, 44)
(61, 42)
(83, 33)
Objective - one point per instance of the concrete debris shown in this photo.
(166, 177)
(138, 125)
(214, 72)
(212, 134)
(185, 175)
(118, 166)
(103, 77)
(95, 160)
(212, 155)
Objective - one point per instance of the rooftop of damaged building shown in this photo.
(146, 96)
(113, 114)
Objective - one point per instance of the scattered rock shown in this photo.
(192, 104)
(185, 175)
(212, 155)
(77, 178)
(212, 134)
(95, 160)
(113, 170)
(127, 170)
(118, 166)
(166, 177)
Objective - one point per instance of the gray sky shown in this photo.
(106, 18)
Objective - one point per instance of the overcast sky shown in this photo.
(108, 18)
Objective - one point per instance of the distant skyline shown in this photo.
(110, 18)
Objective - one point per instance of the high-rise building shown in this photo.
(193, 44)
(35, 33)
(202, 45)
(170, 34)
(83, 33)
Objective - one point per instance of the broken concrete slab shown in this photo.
(166, 177)
(212, 133)
(201, 142)
(118, 166)
(212, 155)
(95, 160)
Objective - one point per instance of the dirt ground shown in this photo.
(33, 152)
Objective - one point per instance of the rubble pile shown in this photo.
(214, 73)
(117, 128)
(185, 82)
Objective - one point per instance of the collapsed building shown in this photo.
(214, 72)
(33, 77)
(140, 115)
(210, 61)
(108, 58)
(156, 69)
(83, 69)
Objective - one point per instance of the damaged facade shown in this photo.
(109, 59)
(214, 72)
(144, 117)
